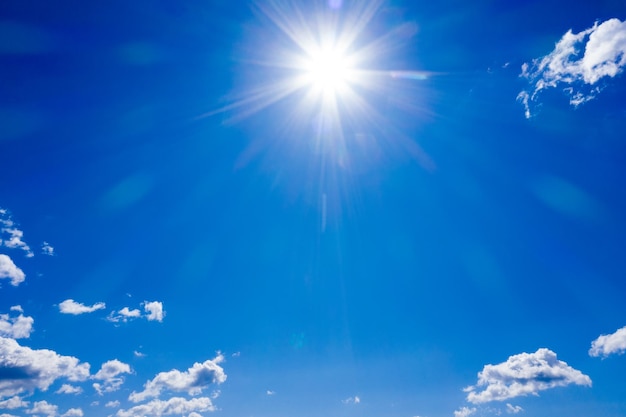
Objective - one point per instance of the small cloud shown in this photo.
(11, 236)
(124, 315)
(606, 345)
(154, 310)
(73, 412)
(69, 389)
(523, 374)
(46, 249)
(112, 404)
(352, 400)
(13, 403)
(270, 392)
(173, 406)
(10, 271)
(578, 62)
(70, 306)
(109, 374)
(513, 409)
(236, 354)
(19, 327)
(465, 412)
(43, 407)
(139, 354)
(17, 308)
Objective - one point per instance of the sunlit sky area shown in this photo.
(290, 208)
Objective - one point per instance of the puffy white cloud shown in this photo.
(124, 315)
(23, 369)
(513, 409)
(69, 389)
(13, 403)
(110, 373)
(70, 306)
(175, 405)
(465, 412)
(17, 308)
(43, 407)
(11, 236)
(7, 415)
(523, 374)
(19, 327)
(154, 310)
(606, 345)
(73, 412)
(604, 55)
(10, 271)
(47, 249)
(112, 404)
(192, 381)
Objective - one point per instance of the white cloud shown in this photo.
(73, 412)
(192, 381)
(513, 409)
(112, 404)
(139, 354)
(154, 310)
(110, 373)
(17, 308)
(70, 306)
(19, 327)
(69, 389)
(25, 369)
(47, 249)
(604, 55)
(270, 392)
(13, 403)
(7, 415)
(609, 344)
(9, 270)
(465, 412)
(352, 400)
(175, 405)
(11, 236)
(43, 407)
(124, 315)
(523, 374)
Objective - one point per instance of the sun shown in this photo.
(327, 69)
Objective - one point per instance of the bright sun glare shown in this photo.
(328, 69)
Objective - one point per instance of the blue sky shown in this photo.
(335, 208)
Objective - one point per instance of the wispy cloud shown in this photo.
(70, 306)
(47, 249)
(13, 403)
(73, 412)
(10, 271)
(192, 381)
(43, 407)
(173, 406)
(513, 409)
(604, 46)
(19, 327)
(112, 404)
(606, 345)
(124, 315)
(352, 400)
(11, 236)
(35, 369)
(270, 392)
(109, 374)
(523, 374)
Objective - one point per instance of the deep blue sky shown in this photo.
(367, 270)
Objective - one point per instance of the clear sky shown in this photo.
(336, 208)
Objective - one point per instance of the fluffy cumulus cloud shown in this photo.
(19, 327)
(70, 306)
(464, 412)
(192, 381)
(11, 236)
(154, 310)
(112, 404)
(73, 412)
(13, 403)
(69, 389)
(45, 408)
(24, 369)
(608, 344)
(523, 374)
(109, 374)
(577, 63)
(9, 270)
(174, 406)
